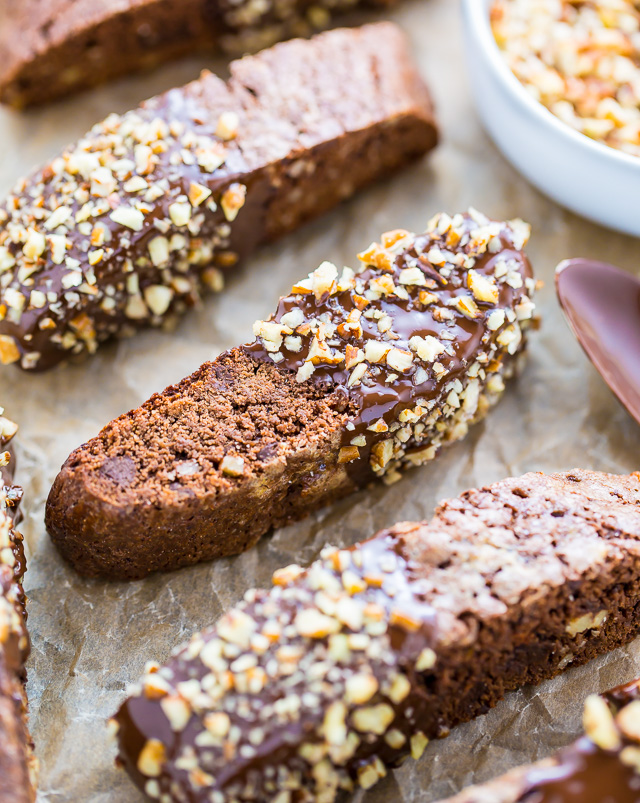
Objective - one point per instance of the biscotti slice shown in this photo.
(50, 48)
(601, 767)
(340, 671)
(126, 227)
(17, 764)
(360, 373)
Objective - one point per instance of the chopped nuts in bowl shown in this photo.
(559, 143)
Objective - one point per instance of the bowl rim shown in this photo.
(477, 17)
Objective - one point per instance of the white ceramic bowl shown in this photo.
(591, 179)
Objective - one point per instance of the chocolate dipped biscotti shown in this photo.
(126, 227)
(340, 671)
(360, 373)
(50, 48)
(601, 767)
(17, 763)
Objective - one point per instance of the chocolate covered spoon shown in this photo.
(602, 305)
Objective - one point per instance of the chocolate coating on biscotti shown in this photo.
(49, 48)
(251, 441)
(342, 670)
(128, 226)
(601, 767)
(410, 336)
(16, 757)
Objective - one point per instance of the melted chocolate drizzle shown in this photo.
(385, 393)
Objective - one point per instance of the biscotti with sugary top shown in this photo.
(17, 763)
(361, 373)
(340, 671)
(49, 48)
(128, 226)
(601, 767)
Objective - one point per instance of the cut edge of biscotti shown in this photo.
(348, 664)
(18, 765)
(205, 468)
(129, 226)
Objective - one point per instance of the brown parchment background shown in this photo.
(91, 638)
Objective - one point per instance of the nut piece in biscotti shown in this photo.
(362, 372)
(17, 763)
(602, 766)
(50, 48)
(341, 671)
(128, 226)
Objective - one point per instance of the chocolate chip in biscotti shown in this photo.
(341, 671)
(362, 372)
(127, 227)
(17, 763)
(602, 766)
(50, 48)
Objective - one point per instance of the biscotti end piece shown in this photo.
(602, 766)
(17, 762)
(50, 49)
(360, 374)
(341, 671)
(126, 228)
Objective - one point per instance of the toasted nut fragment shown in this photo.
(426, 660)
(156, 687)
(334, 725)
(323, 280)
(467, 306)
(347, 454)
(151, 758)
(233, 200)
(360, 688)
(176, 711)
(598, 723)
(483, 287)
(400, 689)
(282, 577)
(370, 774)
(395, 739)
(427, 348)
(158, 298)
(159, 251)
(382, 452)
(353, 583)
(9, 351)
(129, 217)
(218, 724)
(375, 350)
(34, 245)
(394, 237)
(399, 360)
(588, 621)
(227, 127)
(374, 719)
(198, 193)
(418, 744)
(628, 720)
(631, 757)
(180, 213)
(232, 465)
(313, 624)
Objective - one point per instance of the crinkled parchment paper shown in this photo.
(92, 638)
